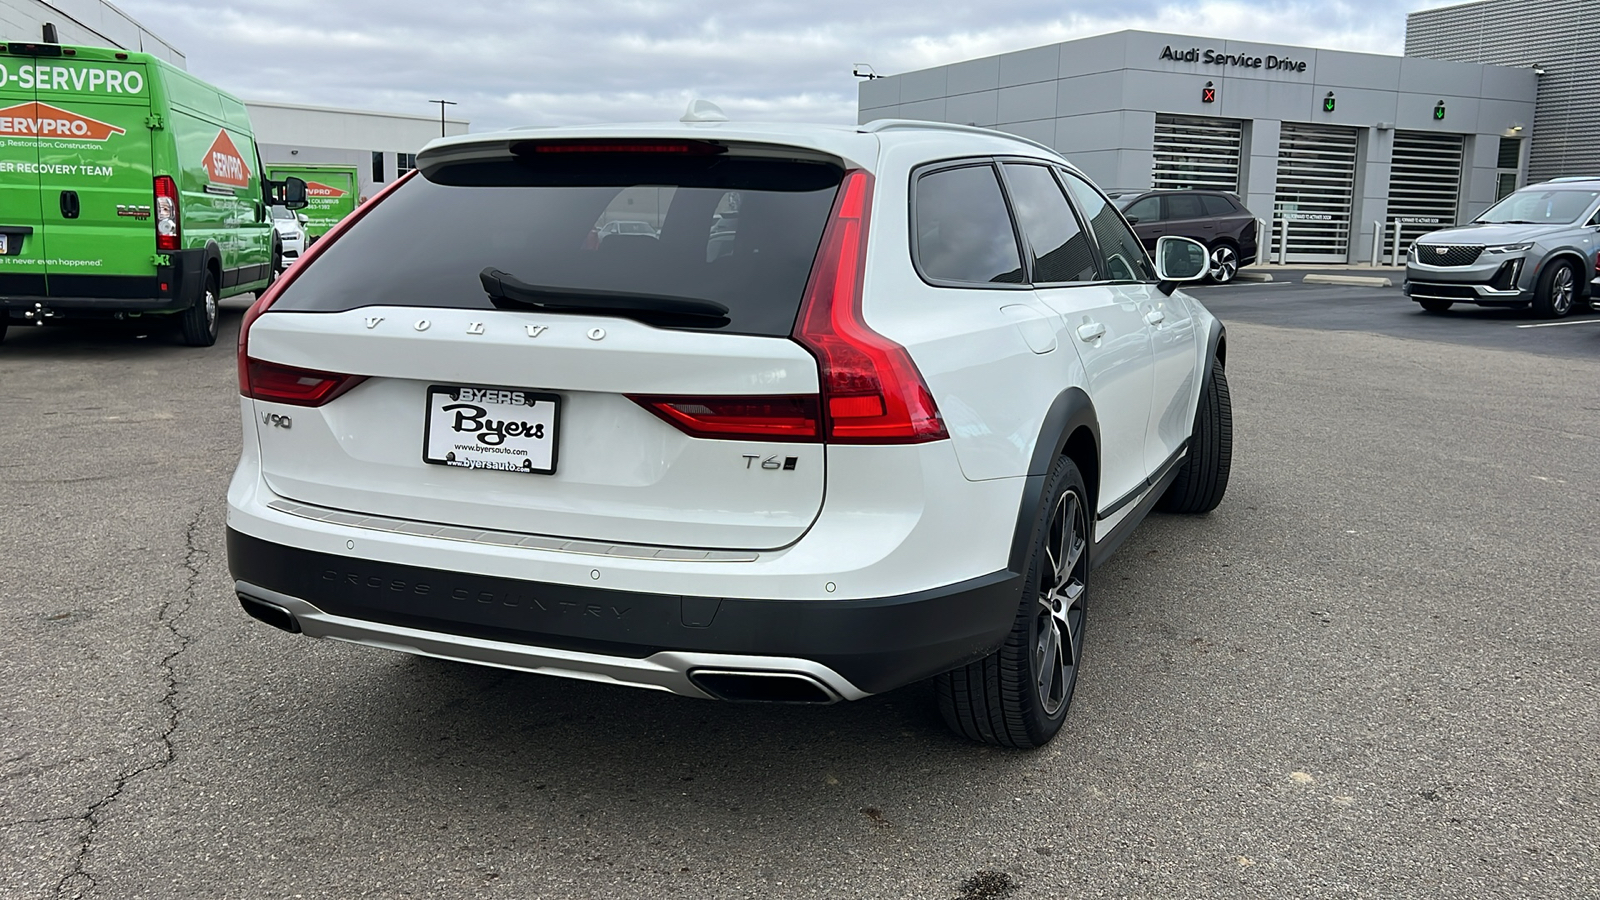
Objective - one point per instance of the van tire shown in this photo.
(200, 320)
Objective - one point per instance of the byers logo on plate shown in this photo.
(318, 189)
(224, 164)
(44, 120)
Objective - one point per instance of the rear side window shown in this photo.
(737, 231)
(1184, 206)
(1061, 251)
(1125, 258)
(963, 229)
(1217, 205)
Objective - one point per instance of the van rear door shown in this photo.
(22, 266)
(97, 193)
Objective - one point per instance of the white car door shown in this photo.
(1100, 317)
(1131, 279)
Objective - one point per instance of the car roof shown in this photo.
(857, 145)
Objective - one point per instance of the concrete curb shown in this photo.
(1242, 275)
(1358, 280)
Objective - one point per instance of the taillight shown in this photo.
(167, 236)
(770, 418)
(245, 363)
(872, 392)
(298, 387)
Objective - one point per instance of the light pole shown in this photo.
(442, 105)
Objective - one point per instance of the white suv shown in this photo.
(883, 433)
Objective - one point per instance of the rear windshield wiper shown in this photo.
(507, 291)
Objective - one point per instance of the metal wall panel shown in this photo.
(1559, 36)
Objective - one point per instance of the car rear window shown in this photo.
(741, 232)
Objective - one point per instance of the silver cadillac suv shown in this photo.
(1535, 248)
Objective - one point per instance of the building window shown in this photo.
(404, 162)
(377, 167)
(1510, 158)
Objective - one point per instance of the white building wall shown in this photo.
(309, 135)
(93, 23)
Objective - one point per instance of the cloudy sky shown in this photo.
(536, 62)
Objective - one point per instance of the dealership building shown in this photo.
(380, 145)
(1336, 148)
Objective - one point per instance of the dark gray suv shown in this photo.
(1536, 248)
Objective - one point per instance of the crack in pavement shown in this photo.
(79, 879)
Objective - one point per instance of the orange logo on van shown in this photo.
(224, 164)
(44, 120)
(318, 189)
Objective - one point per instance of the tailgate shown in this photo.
(724, 243)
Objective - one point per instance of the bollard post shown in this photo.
(1283, 242)
(1263, 242)
(1397, 242)
(1377, 242)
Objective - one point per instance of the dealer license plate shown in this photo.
(5, 248)
(504, 429)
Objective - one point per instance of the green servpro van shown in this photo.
(332, 192)
(127, 188)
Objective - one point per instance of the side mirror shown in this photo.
(1180, 259)
(1133, 220)
(289, 193)
(302, 217)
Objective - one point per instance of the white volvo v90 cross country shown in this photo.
(862, 406)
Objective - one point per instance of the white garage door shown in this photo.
(1316, 184)
(1193, 152)
(1424, 183)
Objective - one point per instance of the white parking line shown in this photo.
(1554, 324)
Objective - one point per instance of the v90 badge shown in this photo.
(277, 420)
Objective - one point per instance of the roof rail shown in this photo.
(880, 125)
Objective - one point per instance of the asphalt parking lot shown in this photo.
(1370, 673)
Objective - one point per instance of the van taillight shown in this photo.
(166, 213)
(872, 392)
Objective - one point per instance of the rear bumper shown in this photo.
(172, 288)
(853, 647)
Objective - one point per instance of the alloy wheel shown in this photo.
(1224, 264)
(1562, 290)
(211, 310)
(1059, 626)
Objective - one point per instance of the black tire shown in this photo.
(3, 327)
(1018, 696)
(1203, 477)
(199, 322)
(277, 263)
(1557, 290)
(1437, 306)
(1222, 263)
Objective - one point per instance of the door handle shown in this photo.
(1155, 317)
(1091, 331)
(69, 204)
